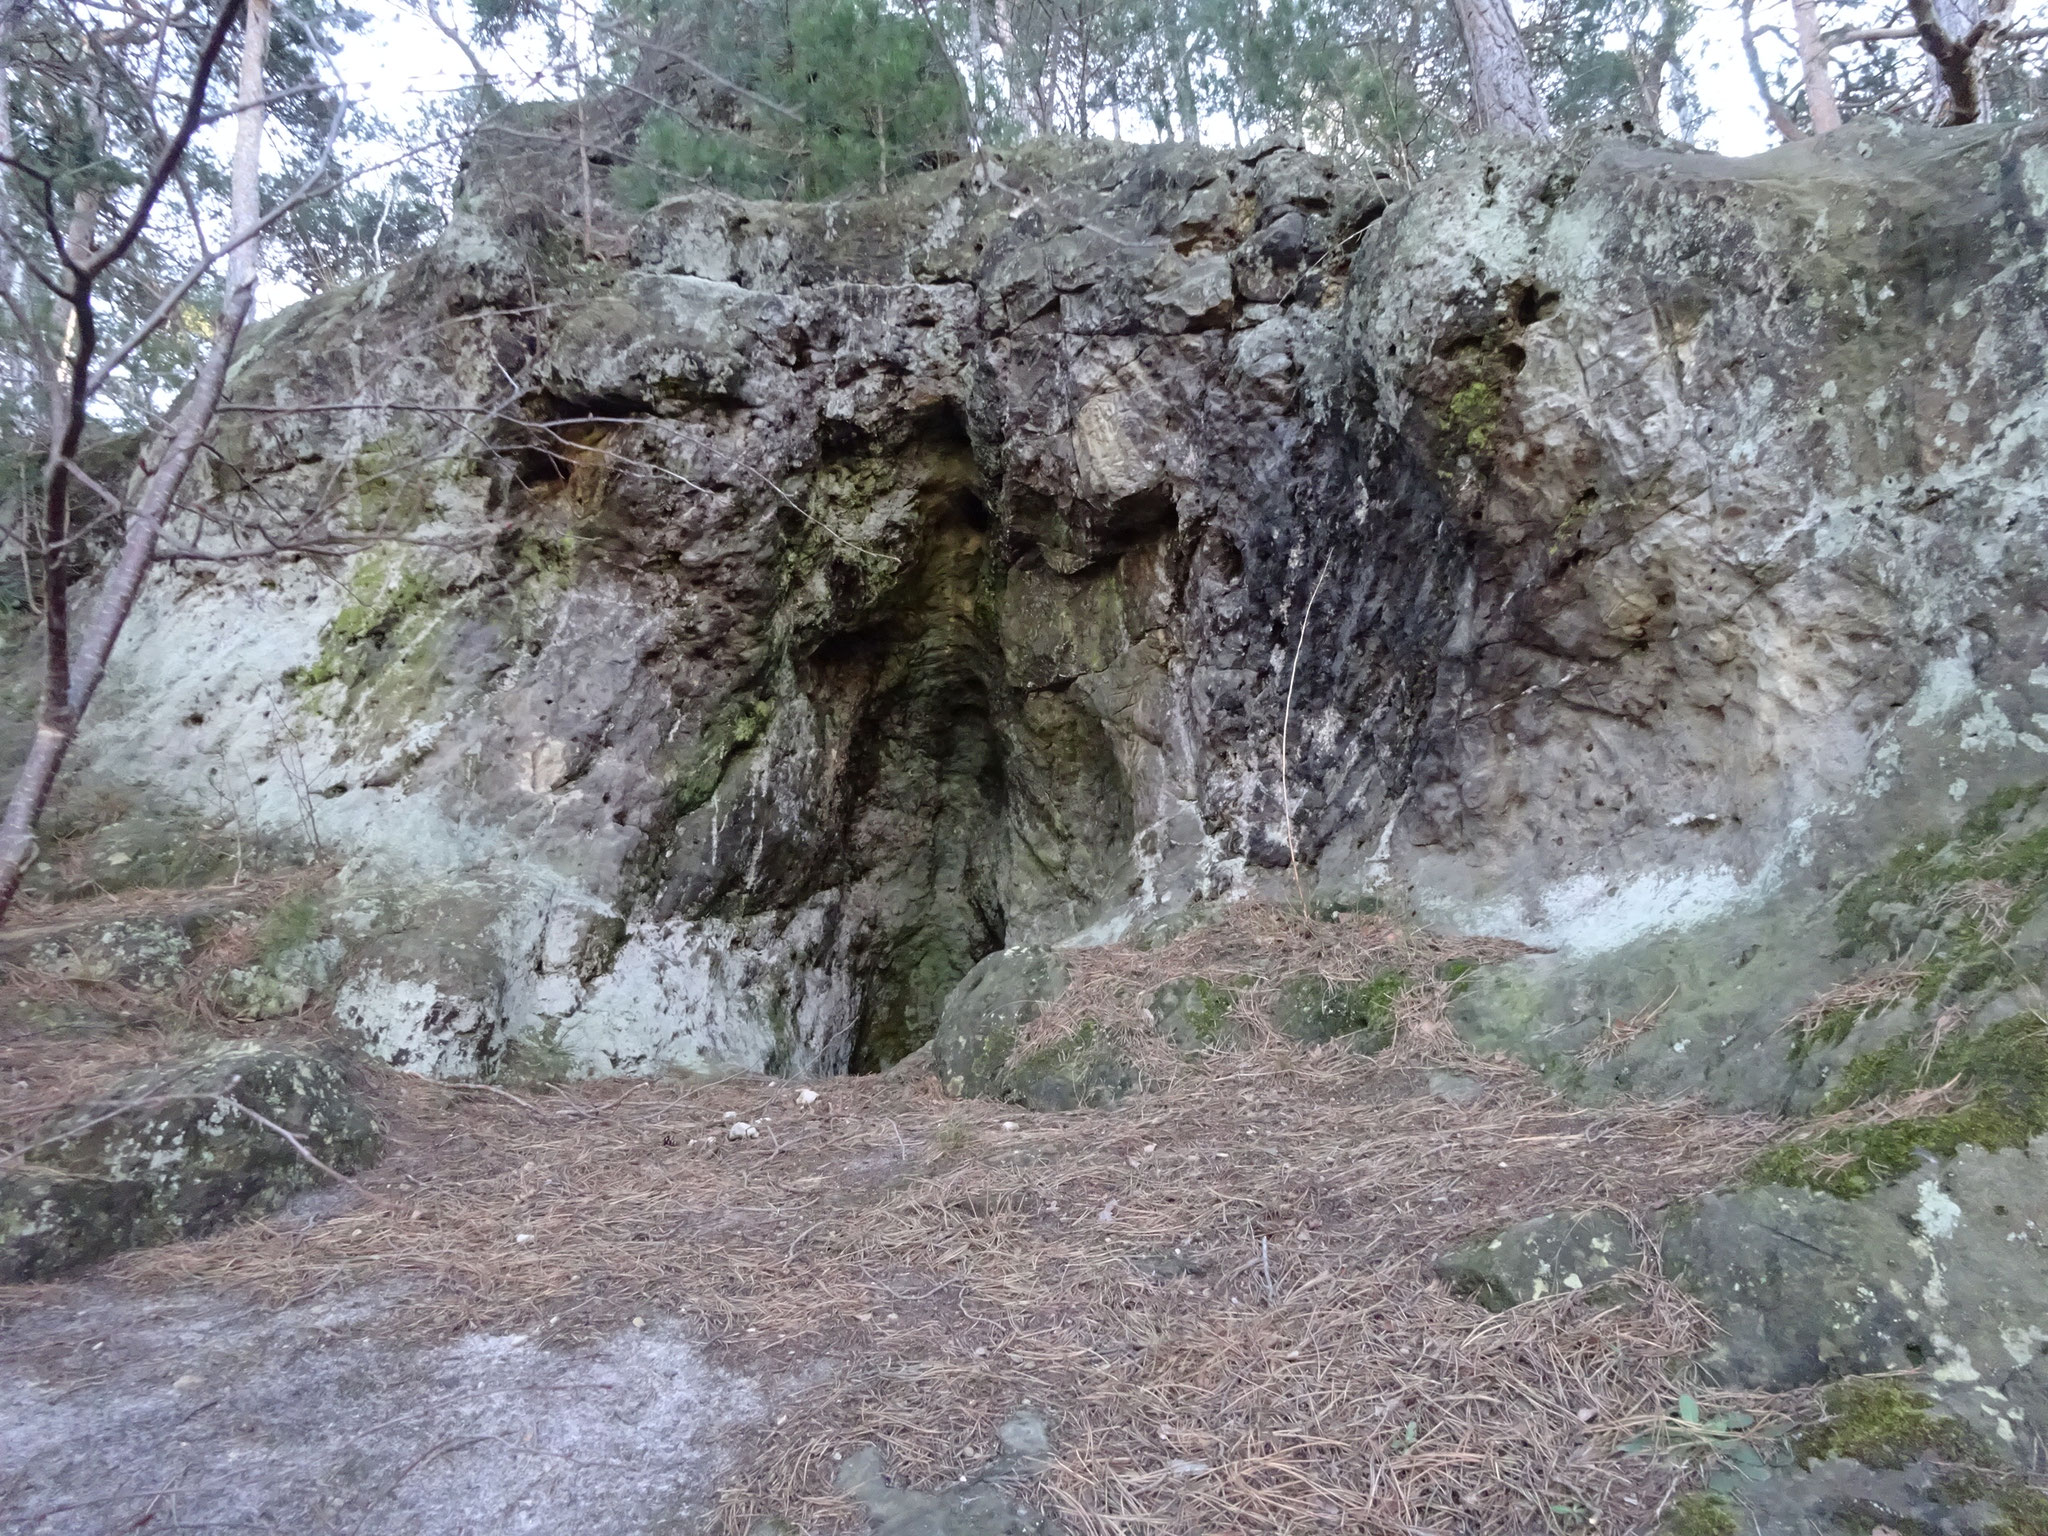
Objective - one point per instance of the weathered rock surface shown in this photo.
(167, 1154)
(1944, 1273)
(322, 1417)
(1635, 542)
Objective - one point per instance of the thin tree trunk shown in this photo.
(974, 63)
(58, 727)
(1821, 106)
(1504, 98)
(1780, 116)
(1184, 88)
(1951, 34)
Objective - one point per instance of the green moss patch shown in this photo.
(738, 724)
(1473, 415)
(1882, 1423)
(1700, 1514)
(2022, 1509)
(2004, 1069)
(1313, 1009)
(1973, 889)
(1989, 849)
(392, 607)
(1083, 1070)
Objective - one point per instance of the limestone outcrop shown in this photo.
(763, 613)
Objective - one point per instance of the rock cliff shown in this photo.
(763, 612)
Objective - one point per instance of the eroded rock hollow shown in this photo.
(764, 612)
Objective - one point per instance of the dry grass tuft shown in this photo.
(1621, 1032)
(1987, 903)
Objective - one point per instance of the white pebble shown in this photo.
(639, 1322)
(807, 1095)
(1009, 1125)
(522, 1237)
(739, 1130)
(732, 1114)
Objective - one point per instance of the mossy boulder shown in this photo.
(1885, 1456)
(983, 1017)
(147, 952)
(86, 857)
(1083, 1069)
(1945, 1273)
(295, 961)
(176, 1151)
(51, 1222)
(1314, 1009)
(1195, 1013)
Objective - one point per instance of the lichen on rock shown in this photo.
(178, 1150)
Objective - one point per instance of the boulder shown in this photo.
(176, 1151)
(149, 953)
(975, 1051)
(1944, 1272)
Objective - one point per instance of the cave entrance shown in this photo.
(914, 688)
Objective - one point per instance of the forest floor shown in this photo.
(1216, 1299)
(597, 1307)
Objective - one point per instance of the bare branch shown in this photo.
(1779, 114)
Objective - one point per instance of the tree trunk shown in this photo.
(1950, 32)
(974, 63)
(1781, 118)
(1184, 89)
(1504, 98)
(1821, 107)
(57, 726)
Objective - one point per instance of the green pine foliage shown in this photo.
(867, 95)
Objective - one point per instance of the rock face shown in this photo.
(168, 1154)
(780, 608)
(1943, 1273)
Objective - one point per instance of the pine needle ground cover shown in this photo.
(1218, 1295)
